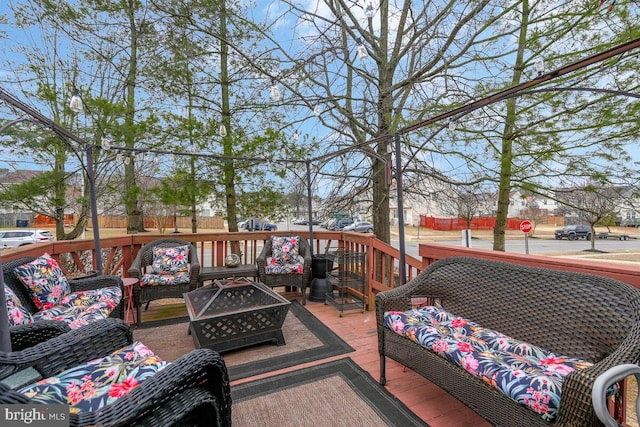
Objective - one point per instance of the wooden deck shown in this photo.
(435, 406)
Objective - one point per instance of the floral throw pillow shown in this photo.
(18, 314)
(285, 249)
(45, 279)
(170, 260)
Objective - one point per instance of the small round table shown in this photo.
(129, 309)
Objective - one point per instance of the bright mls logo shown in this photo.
(34, 415)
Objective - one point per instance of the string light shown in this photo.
(295, 136)
(540, 67)
(105, 142)
(362, 51)
(316, 110)
(222, 131)
(274, 92)
(369, 11)
(76, 102)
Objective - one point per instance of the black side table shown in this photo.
(217, 273)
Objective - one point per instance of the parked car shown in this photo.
(574, 232)
(23, 236)
(260, 224)
(341, 223)
(360, 227)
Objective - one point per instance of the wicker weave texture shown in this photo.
(586, 316)
(24, 336)
(301, 281)
(192, 390)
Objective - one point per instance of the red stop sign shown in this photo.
(526, 226)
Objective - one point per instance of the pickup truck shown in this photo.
(574, 232)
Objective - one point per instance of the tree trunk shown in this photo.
(506, 156)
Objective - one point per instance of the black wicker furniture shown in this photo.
(589, 317)
(191, 391)
(301, 281)
(142, 263)
(24, 336)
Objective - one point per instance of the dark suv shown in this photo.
(573, 232)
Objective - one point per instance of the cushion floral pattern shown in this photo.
(526, 373)
(285, 249)
(151, 279)
(18, 314)
(45, 279)
(170, 260)
(82, 307)
(98, 383)
(275, 266)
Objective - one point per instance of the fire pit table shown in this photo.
(234, 313)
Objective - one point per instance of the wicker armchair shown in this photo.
(193, 390)
(144, 259)
(301, 281)
(24, 336)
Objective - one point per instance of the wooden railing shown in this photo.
(78, 256)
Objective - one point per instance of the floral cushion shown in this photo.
(82, 307)
(170, 260)
(18, 314)
(152, 279)
(276, 266)
(526, 373)
(45, 279)
(285, 249)
(95, 384)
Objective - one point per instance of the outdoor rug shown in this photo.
(307, 339)
(338, 393)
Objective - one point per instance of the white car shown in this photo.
(23, 236)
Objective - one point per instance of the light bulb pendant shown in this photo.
(316, 110)
(223, 130)
(362, 52)
(105, 142)
(119, 157)
(274, 92)
(295, 136)
(76, 102)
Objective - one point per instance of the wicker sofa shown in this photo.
(588, 317)
(27, 335)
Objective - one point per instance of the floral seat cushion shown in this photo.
(95, 384)
(82, 307)
(526, 373)
(276, 266)
(17, 313)
(152, 279)
(45, 279)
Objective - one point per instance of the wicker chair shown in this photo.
(301, 281)
(24, 336)
(193, 390)
(144, 259)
